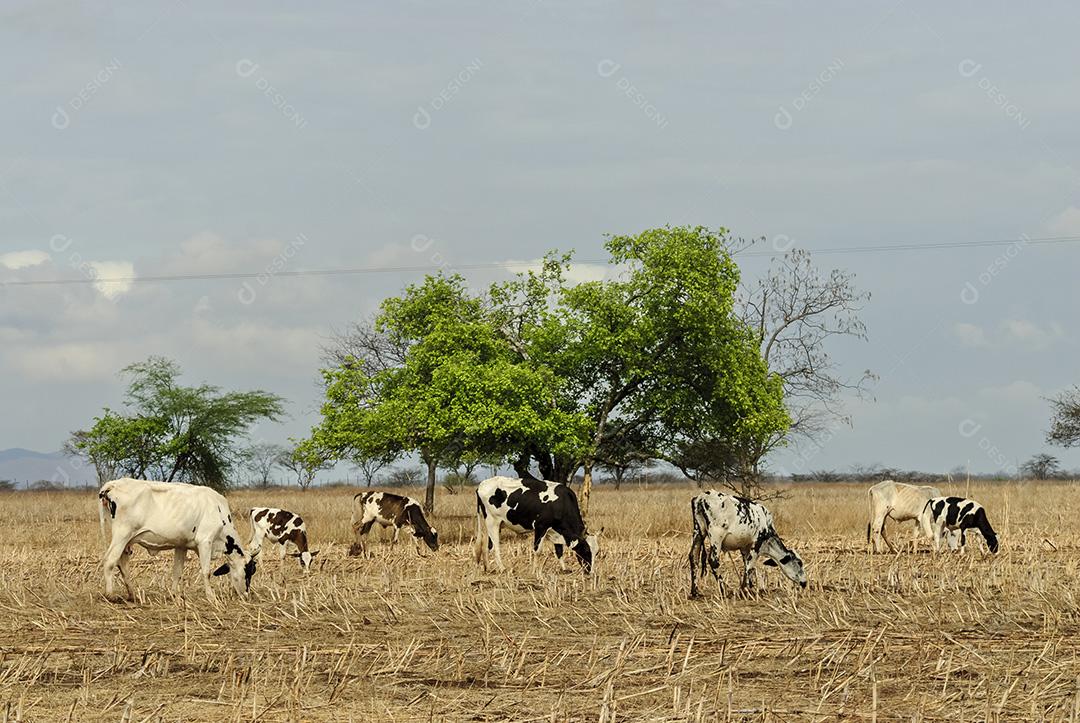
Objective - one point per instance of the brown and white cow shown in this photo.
(282, 528)
(390, 510)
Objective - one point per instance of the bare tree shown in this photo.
(1041, 467)
(370, 466)
(260, 459)
(795, 310)
(364, 342)
(305, 462)
(1065, 423)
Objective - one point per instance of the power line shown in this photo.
(237, 276)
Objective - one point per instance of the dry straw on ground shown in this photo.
(404, 637)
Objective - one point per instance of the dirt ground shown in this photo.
(405, 637)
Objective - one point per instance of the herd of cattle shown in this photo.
(162, 516)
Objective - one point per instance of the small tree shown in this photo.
(1041, 466)
(260, 459)
(370, 465)
(1065, 423)
(305, 460)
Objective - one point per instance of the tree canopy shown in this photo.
(564, 375)
(455, 389)
(172, 432)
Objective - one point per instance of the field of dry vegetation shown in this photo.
(404, 637)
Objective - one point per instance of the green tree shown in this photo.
(657, 354)
(454, 390)
(173, 432)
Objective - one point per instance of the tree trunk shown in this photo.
(586, 488)
(429, 493)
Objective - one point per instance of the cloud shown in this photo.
(971, 335)
(1029, 335)
(1066, 223)
(575, 274)
(22, 259)
(66, 362)
(1017, 392)
(112, 270)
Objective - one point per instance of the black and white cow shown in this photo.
(282, 528)
(547, 509)
(724, 522)
(941, 514)
(179, 517)
(390, 510)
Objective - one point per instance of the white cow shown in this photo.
(179, 517)
(900, 502)
(727, 522)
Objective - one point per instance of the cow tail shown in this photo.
(870, 516)
(101, 514)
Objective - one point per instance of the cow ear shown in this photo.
(223, 570)
(770, 562)
(315, 553)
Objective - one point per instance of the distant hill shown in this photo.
(25, 466)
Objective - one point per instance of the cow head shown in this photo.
(778, 555)
(421, 528)
(240, 567)
(587, 548)
(305, 558)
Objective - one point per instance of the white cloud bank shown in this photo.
(15, 260)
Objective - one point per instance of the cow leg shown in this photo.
(748, 558)
(881, 533)
(361, 536)
(179, 557)
(493, 526)
(539, 533)
(112, 563)
(256, 540)
(559, 556)
(282, 548)
(122, 563)
(714, 565)
(697, 555)
(206, 552)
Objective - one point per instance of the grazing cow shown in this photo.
(547, 509)
(728, 522)
(955, 514)
(900, 502)
(390, 510)
(179, 517)
(281, 527)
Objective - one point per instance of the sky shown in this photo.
(191, 138)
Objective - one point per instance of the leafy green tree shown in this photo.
(173, 432)
(454, 390)
(657, 354)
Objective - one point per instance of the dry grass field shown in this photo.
(403, 637)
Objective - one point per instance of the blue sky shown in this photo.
(189, 138)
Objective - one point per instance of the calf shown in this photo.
(955, 514)
(390, 510)
(179, 517)
(547, 509)
(900, 502)
(283, 528)
(727, 522)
